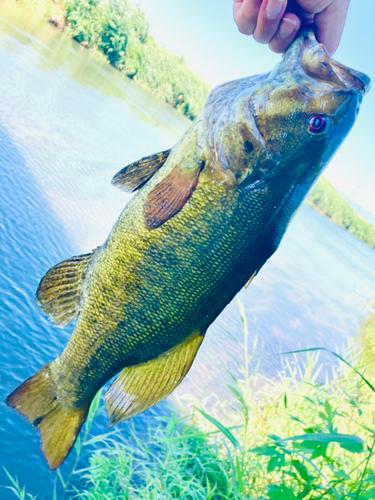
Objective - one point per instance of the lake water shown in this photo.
(68, 123)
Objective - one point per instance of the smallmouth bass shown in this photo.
(207, 216)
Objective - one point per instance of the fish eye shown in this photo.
(317, 124)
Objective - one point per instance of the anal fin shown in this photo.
(135, 175)
(60, 290)
(141, 386)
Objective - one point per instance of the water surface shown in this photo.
(68, 123)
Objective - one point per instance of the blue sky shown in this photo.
(205, 33)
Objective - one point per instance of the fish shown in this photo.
(206, 217)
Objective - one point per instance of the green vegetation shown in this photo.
(329, 202)
(169, 77)
(287, 438)
(367, 335)
(51, 10)
(119, 30)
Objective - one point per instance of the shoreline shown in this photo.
(329, 203)
(119, 32)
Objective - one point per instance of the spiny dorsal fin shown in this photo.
(135, 175)
(170, 195)
(59, 291)
(141, 386)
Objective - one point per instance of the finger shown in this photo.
(330, 24)
(286, 33)
(268, 21)
(306, 19)
(245, 13)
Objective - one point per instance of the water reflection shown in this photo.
(50, 50)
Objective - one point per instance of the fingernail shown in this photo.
(287, 27)
(273, 8)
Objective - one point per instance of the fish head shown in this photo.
(286, 124)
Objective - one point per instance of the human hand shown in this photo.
(277, 22)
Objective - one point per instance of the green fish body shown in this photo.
(207, 216)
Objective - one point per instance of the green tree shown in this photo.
(124, 35)
(119, 29)
(327, 200)
(85, 20)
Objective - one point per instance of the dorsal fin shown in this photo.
(135, 175)
(168, 197)
(59, 291)
(141, 386)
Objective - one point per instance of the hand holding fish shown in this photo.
(277, 22)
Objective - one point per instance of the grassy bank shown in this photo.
(367, 335)
(282, 439)
(120, 30)
(328, 201)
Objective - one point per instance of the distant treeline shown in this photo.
(120, 30)
(329, 202)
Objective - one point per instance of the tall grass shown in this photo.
(367, 336)
(293, 437)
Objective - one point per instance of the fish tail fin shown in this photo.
(59, 426)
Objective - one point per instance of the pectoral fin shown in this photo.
(170, 195)
(59, 291)
(135, 175)
(139, 387)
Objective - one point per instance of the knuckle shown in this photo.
(245, 30)
(247, 18)
(276, 46)
(245, 27)
(263, 35)
(260, 38)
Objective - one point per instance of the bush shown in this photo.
(120, 30)
(328, 201)
(168, 76)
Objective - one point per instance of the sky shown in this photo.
(205, 33)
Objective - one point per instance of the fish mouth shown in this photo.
(318, 64)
